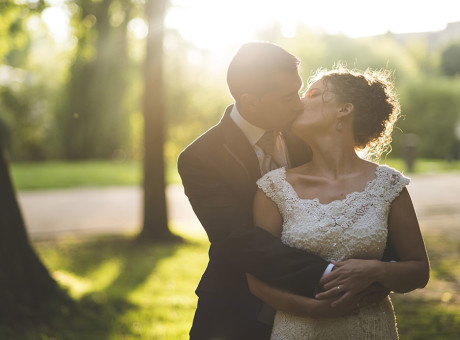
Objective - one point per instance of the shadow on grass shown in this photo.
(444, 254)
(433, 312)
(145, 291)
(426, 319)
(99, 312)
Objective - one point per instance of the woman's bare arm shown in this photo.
(266, 214)
(410, 272)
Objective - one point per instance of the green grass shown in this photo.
(126, 290)
(52, 175)
(434, 312)
(122, 289)
(74, 174)
(424, 166)
(57, 175)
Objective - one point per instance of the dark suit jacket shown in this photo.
(219, 171)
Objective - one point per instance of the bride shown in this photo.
(342, 208)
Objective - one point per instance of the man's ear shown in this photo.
(345, 110)
(249, 102)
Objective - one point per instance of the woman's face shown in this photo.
(320, 110)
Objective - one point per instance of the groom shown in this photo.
(219, 171)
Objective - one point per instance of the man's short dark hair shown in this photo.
(253, 66)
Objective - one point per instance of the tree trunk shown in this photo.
(26, 286)
(155, 226)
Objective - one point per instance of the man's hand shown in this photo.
(372, 294)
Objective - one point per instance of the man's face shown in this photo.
(279, 107)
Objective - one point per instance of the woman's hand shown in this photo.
(349, 279)
(299, 305)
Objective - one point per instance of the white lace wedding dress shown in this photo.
(355, 227)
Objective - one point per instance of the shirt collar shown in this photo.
(252, 132)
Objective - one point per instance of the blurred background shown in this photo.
(74, 97)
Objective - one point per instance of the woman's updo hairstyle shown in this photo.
(376, 107)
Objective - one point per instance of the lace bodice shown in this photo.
(355, 227)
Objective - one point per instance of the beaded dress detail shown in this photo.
(355, 227)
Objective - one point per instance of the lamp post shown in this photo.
(410, 150)
(456, 152)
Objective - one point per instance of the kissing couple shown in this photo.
(307, 238)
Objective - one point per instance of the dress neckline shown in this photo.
(347, 197)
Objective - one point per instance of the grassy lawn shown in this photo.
(122, 289)
(50, 175)
(434, 312)
(125, 290)
(30, 176)
(424, 166)
(58, 175)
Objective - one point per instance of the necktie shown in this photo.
(267, 144)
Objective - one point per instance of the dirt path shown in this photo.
(83, 211)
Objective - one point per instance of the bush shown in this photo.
(430, 108)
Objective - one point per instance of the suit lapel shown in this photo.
(238, 147)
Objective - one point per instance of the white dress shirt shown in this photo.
(254, 133)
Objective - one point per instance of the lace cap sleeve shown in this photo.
(395, 181)
(271, 185)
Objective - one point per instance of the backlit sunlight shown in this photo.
(211, 24)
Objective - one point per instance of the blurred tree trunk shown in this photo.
(26, 286)
(155, 225)
(93, 119)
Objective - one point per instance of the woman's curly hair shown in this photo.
(376, 108)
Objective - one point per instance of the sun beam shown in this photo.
(211, 24)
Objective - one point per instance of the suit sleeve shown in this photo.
(229, 225)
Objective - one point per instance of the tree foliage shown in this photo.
(431, 111)
(13, 35)
(26, 115)
(21, 104)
